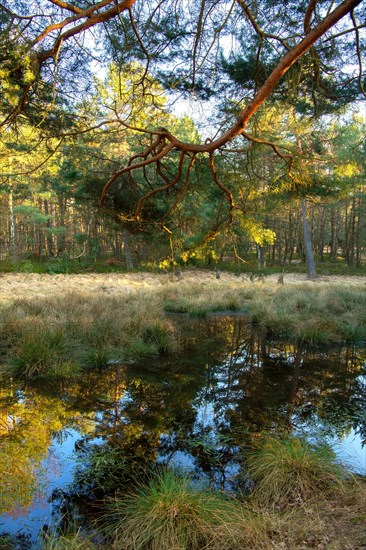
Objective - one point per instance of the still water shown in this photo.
(197, 409)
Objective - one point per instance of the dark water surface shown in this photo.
(197, 408)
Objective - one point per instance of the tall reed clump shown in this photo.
(288, 470)
(170, 513)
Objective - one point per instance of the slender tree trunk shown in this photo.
(358, 231)
(350, 250)
(293, 236)
(333, 233)
(61, 239)
(127, 250)
(261, 256)
(12, 243)
(117, 245)
(321, 234)
(286, 253)
(310, 262)
(49, 227)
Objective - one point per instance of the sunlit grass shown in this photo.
(317, 314)
(310, 313)
(199, 300)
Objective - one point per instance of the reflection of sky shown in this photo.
(348, 448)
(55, 472)
(350, 452)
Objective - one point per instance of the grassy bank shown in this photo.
(309, 313)
(89, 328)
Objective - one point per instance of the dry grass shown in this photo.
(71, 541)
(27, 285)
(62, 332)
(327, 523)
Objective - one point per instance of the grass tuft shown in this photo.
(39, 351)
(158, 334)
(289, 470)
(170, 513)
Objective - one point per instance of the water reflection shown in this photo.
(199, 408)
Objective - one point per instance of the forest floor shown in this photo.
(26, 285)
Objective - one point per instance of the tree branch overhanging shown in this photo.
(92, 16)
(358, 50)
(169, 142)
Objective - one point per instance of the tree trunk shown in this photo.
(358, 231)
(127, 251)
(49, 239)
(12, 243)
(309, 256)
(333, 233)
(61, 238)
(350, 249)
(261, 256)
(321, 233)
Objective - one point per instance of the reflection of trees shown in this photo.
(332, 383)
(264, 385)
(250, 386)
(246, 383)
(24, 441)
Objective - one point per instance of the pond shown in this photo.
(197, 409)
